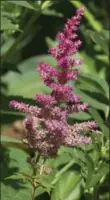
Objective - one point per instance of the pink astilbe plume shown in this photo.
(47, 126)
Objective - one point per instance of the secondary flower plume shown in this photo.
(47, 126)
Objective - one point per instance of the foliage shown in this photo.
(80, 173)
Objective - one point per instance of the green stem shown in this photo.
(33, 193)
(34, 186)
(91, 195)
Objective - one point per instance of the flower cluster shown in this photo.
(47, 126)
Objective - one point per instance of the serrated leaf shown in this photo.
(16, 177)
(96, 177)
(96, 82)
(78, 154)
(91, 101)
(22, 3)
(95, 114)
(29, 82)
(93, 85)
(100, 38)
(6, 24)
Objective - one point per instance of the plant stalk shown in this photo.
(33, 192)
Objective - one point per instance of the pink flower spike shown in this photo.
(53, 51)
(22, 107)
(84, 126)
(66, 62)
(48, 127)
(47, 72)
(69, 75)
(61, 87)
(45, 99)
(80, 11)
(77, 108)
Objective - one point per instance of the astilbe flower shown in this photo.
(47, 126)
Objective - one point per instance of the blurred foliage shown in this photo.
(28, 28)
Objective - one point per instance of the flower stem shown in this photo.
(34, 186)
(33, 192)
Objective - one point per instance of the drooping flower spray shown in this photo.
(47, 126)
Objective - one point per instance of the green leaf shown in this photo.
(8, 142)
(91, 86)
(97, 177)
(78, 154)
(51, 12)
(80, 116)
(61, 172)
(29, 82)
(90, 67)
(103, 58)
(46, 4)
(100, 38)
(17, 159)
(6, 46)
(9, 193)
(22, 3)
(9, 139)
(50, 42)
(92, 101)
(95, 114)
(13, 161)
(16, 177)
(90, 169)
(68, 187)
(95, 82)
(8, 115)
(6, 24)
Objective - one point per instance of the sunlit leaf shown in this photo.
(46, 4)
(9, 139)
(29, 82)
(69, 189)
(6, 24)
(22, 3)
